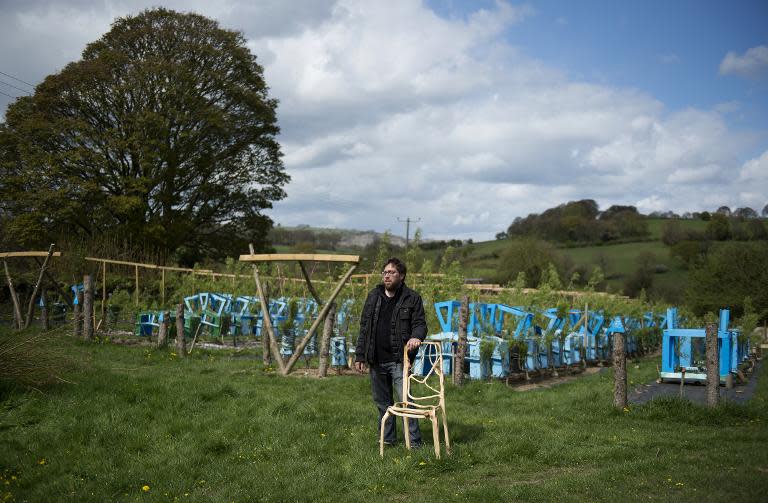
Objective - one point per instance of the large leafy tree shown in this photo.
(163, 133)
(730, 273)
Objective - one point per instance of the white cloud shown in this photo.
(756, 170)
(752, 63)
(389, 110)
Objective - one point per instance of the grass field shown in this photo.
(143, 425)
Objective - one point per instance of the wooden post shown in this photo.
(31, 305)
(15, 298)
(461, 346)
(713, 365)
(325, 342)
(87, 307)
(619, 372)
(103, 291)
(137, 285)
(44, 320)
(268, 341)
(181, 347)
(162, 286)
(77, 319)
(162, 333)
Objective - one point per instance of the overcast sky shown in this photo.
(467, 114)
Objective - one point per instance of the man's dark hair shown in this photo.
(399, 265)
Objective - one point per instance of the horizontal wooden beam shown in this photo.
(282, 257)
(147, 266)
(28, 254)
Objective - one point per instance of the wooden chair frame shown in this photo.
(412, 407)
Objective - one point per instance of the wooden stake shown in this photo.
(461, 346)
(181, 347)
(713, 365)
(14, 297)
(310, 287)
(267, 332)
(77, 319)
(137, 285)
(103, 293)
(31, 304)
(44, 321)
(325, 342)
(162, 285)
(162, 333)
(619, 372)
(87, 308)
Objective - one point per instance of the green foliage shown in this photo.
(163, 132)
(529, 256)
(718, 228)
(731, 272)
(581, 222)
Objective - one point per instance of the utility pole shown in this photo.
(408, 221)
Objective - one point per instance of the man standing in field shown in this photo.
(392, 318)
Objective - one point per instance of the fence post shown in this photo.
(619, 371)
(461, 345)
(181, 346)
(87, 308)
(44, 319)
(77, 318)
(325, 342)
(713, 365)
(162, 332)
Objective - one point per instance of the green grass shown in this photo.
(656, 226)
(214, 427)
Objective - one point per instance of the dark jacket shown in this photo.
(408, 321)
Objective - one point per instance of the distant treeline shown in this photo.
(581, 222)
(306, 237)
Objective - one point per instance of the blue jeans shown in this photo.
(385, 377)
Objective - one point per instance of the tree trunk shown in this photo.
(15, 298)
(325, 342)
(619, 371)
(181, 346)
(44, 319)
(162, 333)
(77, 319)
(31, 305)
(713, 366)
(461, 345)
(87, 308)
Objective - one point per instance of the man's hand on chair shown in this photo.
(360, 367)
(412, 343)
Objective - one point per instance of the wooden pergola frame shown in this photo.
(285, 368)
(26, 254)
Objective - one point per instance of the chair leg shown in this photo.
(381, 433)
(435, 435)
(445, 432)
(407, 433)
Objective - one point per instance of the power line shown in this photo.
(18, 79)
(17, 88)
(6, 94)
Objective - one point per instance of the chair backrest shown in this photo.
(432, 382)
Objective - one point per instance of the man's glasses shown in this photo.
(388, 273)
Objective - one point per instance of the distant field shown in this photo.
(656, 226)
